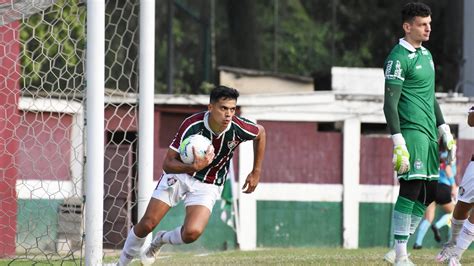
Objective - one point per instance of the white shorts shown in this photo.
(466, 189)
(172, 188)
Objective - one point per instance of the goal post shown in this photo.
(95, 65)
(74, 175)
(146, 106)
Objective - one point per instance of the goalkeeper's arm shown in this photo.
(401, 157)
(390, 107)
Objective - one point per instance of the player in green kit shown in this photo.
(415, 120)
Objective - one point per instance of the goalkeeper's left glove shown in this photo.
(448, 141)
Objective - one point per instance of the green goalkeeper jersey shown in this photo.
(413, 70)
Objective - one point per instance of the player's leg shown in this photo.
(465, 237)
(155, 211)
(196, 220)
(461, 227)
(166, 195)
(424, 225)
(409, 210)
(443, 198)
(199, 204)
(464, 203)
(409, 191)
(199, 201)
(425, 199)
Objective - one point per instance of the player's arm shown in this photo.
(401, 157)
(259, 151)
(390, 107)
(173, 164)
(470, 117)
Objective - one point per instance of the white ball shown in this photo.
(200, 144)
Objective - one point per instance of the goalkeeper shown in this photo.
(414, 119)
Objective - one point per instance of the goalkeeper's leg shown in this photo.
(403, 214)
(426, 196)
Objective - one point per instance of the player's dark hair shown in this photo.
(223, 92)
(415, 9)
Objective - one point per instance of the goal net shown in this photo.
(42, 128)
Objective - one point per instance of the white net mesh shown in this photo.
(42, 127)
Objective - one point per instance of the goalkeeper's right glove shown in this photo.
(401, 157)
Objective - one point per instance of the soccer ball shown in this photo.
(200, 144)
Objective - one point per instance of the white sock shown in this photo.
(173, 237)
(401, 248)
(131, 248)
(456, 226)
(465, 238)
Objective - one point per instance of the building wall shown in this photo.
(9, 118)
(45, 146)
(297, 152)
(303, 181)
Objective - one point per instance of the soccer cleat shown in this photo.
(454, 261)
(416, 246)
(404, 261)
(390, 256)
(437, 235)
(446, 253)
(149, 256)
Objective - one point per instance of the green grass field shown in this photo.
(280, 256)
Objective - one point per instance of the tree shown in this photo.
(53, 48)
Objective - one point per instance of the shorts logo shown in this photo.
(171, 181)
(418, 164)
(461, 191)
(232, 144)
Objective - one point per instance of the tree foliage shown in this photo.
(53, 47)
(307, 37)
(302, 37)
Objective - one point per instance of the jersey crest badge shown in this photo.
(418, 164)
(171, 181)
(232, 144)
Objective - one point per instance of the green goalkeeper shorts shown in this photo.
(424, 156)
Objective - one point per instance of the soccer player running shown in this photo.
(199, 183)
(462, 228)
(413, 116)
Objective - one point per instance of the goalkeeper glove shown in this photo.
(448, 141)
(401, 157)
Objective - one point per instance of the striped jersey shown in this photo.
(238, 131)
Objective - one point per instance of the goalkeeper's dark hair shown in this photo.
(223, 92)
(415, 9)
